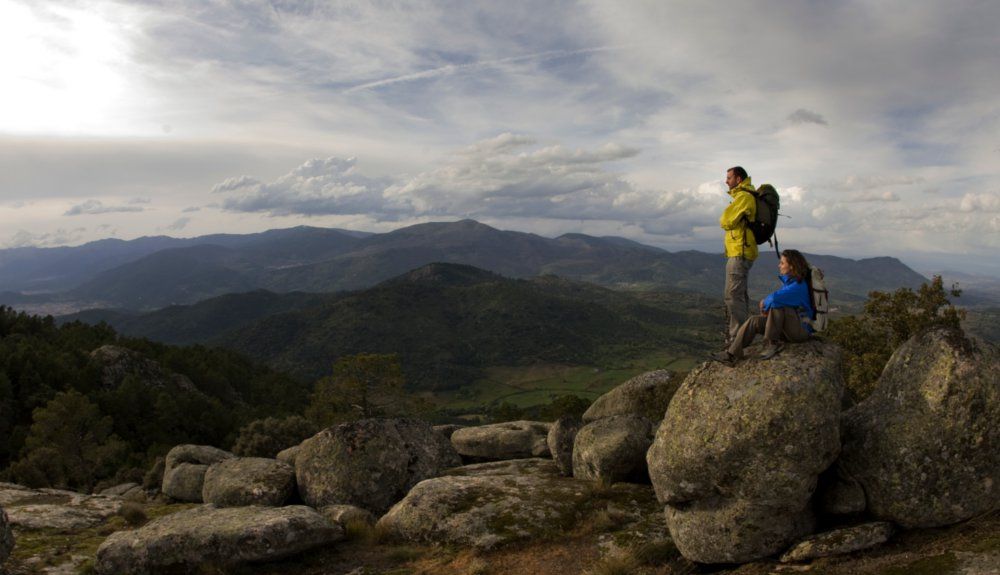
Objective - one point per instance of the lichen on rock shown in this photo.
(371, 463)
(188, 540)
(737, 456)
(925, 445)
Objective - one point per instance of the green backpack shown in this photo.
(766, 219)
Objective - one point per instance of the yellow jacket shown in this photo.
(739, 240)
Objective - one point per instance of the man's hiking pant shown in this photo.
(780, 324)
(736, 297)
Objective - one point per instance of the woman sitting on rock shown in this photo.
(784, 315)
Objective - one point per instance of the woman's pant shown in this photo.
(781, 323)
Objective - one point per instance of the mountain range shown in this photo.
(446, 322)
(153, 272)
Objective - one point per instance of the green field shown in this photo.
(526, 386)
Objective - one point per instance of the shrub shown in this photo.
(266, 437)
(889, 320)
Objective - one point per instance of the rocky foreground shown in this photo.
(748, 469)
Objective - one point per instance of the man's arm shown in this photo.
(743, 205)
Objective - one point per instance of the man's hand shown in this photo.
(762, 310)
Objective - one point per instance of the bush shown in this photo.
(889, 320)
(267, 437)
(69, 446)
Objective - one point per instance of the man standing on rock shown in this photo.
(741, 248)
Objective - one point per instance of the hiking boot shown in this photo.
(772, 349)
(724, 357)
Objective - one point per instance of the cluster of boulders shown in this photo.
(734, 461)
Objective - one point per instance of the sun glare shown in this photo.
(64, 70)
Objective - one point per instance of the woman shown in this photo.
(783, 315)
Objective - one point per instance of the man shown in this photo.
(741, 248)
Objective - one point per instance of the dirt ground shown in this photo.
(968, 548)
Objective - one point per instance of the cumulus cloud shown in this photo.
(507, 176)
(91, 207)
(803, 116)
(190, 209)
(504, 176)
(317, 187)
(986, 202)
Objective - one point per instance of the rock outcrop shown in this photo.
(509, 440)
(371, 463)
(240, 481)
(613, 449)
(6, 537)
(736, 458)
(207, 536)
(184, 470)
(288, 455)
(926, 444)
(54, 508)
(127, 491)
(839, 541)
(647, 394)
(560, 440)
(491, 504)
(117, 363)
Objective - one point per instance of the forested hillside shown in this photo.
(114, 416)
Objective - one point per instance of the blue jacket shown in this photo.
(795, 294)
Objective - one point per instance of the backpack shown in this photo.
(766, 219)
(820, 297)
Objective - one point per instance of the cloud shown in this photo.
(136, 201)
(190, 209)
(317, 187)
(179, 224)
(873, 197)
(986, 202)
(92, 207)
(60, 237)
(507, 176)
(503, 177)
(803, 116)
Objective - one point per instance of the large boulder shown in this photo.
(613, 449)
(560, 439)
(737, 456)
(248, 481)
(925, 445)
(647, 394)
(225, 538)
(6, 537)
(491, 504)
(509, 440)
(371, 463)
(184, 470)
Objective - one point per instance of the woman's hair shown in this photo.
(798, 263)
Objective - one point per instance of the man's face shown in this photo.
(732, 180)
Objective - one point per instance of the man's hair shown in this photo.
(798, 263)
(739, 172)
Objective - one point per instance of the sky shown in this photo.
(877, 121)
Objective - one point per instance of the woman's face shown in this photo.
(783, 267)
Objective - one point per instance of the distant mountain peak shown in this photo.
(443, 273)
